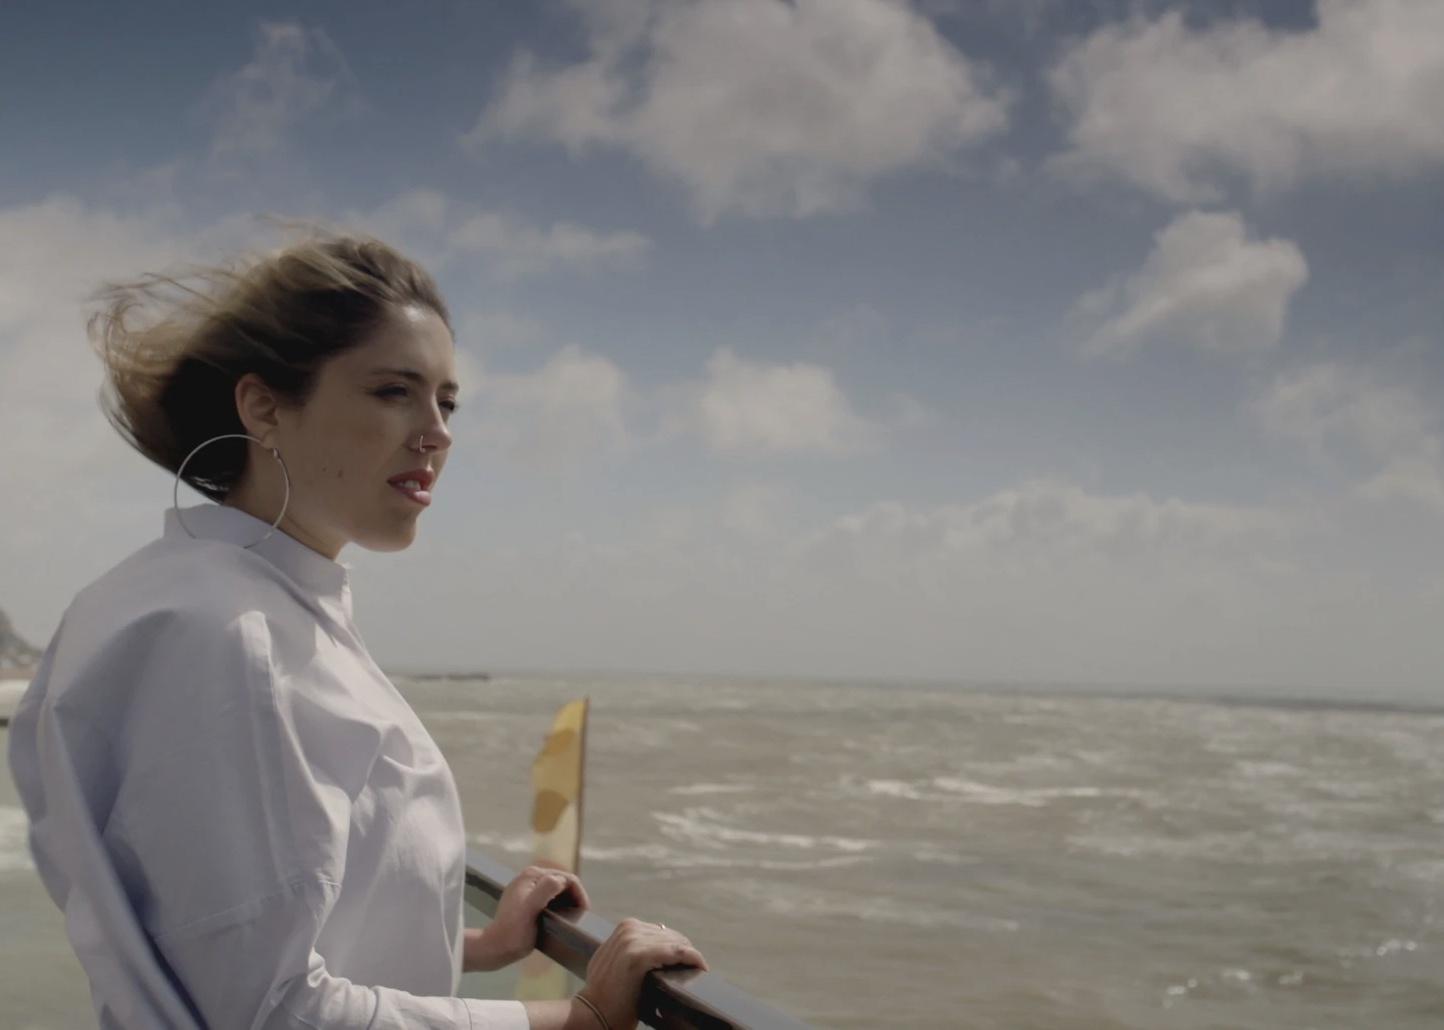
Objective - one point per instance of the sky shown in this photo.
(1029, 341)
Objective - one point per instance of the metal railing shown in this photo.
(671, 999)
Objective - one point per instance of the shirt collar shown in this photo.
(329, 580)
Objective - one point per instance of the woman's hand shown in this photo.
(511, 935)
(616, 971)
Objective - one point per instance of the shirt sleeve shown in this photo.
(261, 970)
(231, 831)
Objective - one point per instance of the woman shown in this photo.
(242, 820)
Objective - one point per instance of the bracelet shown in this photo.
(595, 1011)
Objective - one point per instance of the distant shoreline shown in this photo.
(1228, 697)
(1263, 697)
(428, 676)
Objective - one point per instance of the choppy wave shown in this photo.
(708, 828)
(14, 840)
(1033, 797)
(512, 844)
(680, 862)
(956, 788)
(1087, 862)
(709, 850)
(797, 900)
(712, 788)
(699, 838)
(895, 789)
(1268, 769)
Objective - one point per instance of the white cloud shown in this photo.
(494, 329)
(520, 249)
(1205, 284)
(1043, 580)
(1415, 477)
(568, 410)
(415, 212)
(1042, 522)
(49, 376)
(1347, 414)
(437, 230)
(66, 463)
(756, 107)
(1329, 403)
(746, 407)
(70, 248)
(1178, 110)
(295, 74)
(755, 510)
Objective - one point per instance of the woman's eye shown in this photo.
(448, 405)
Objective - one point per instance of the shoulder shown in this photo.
(169, 625)
(199, 583)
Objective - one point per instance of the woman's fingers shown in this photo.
(557, 887)
(635, 948)
(579, 892)
(571, 893)
(564, 890)
(653, 946)
(683, 954)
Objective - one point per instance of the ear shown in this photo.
(257, 406)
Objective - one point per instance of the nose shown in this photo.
(436, 435)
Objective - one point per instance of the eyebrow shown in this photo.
(413, 376)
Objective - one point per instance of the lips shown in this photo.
(423, 477)
(415, 484)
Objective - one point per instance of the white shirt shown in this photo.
(244, 822)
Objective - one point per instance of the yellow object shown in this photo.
(556, 823)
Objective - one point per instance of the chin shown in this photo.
(398, 539)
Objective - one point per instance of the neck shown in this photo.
(244, 497)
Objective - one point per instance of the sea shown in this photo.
(917, 856)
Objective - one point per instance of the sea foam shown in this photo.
(14, 840)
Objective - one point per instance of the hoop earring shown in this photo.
(275, 453)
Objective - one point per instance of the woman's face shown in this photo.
(350, 447)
